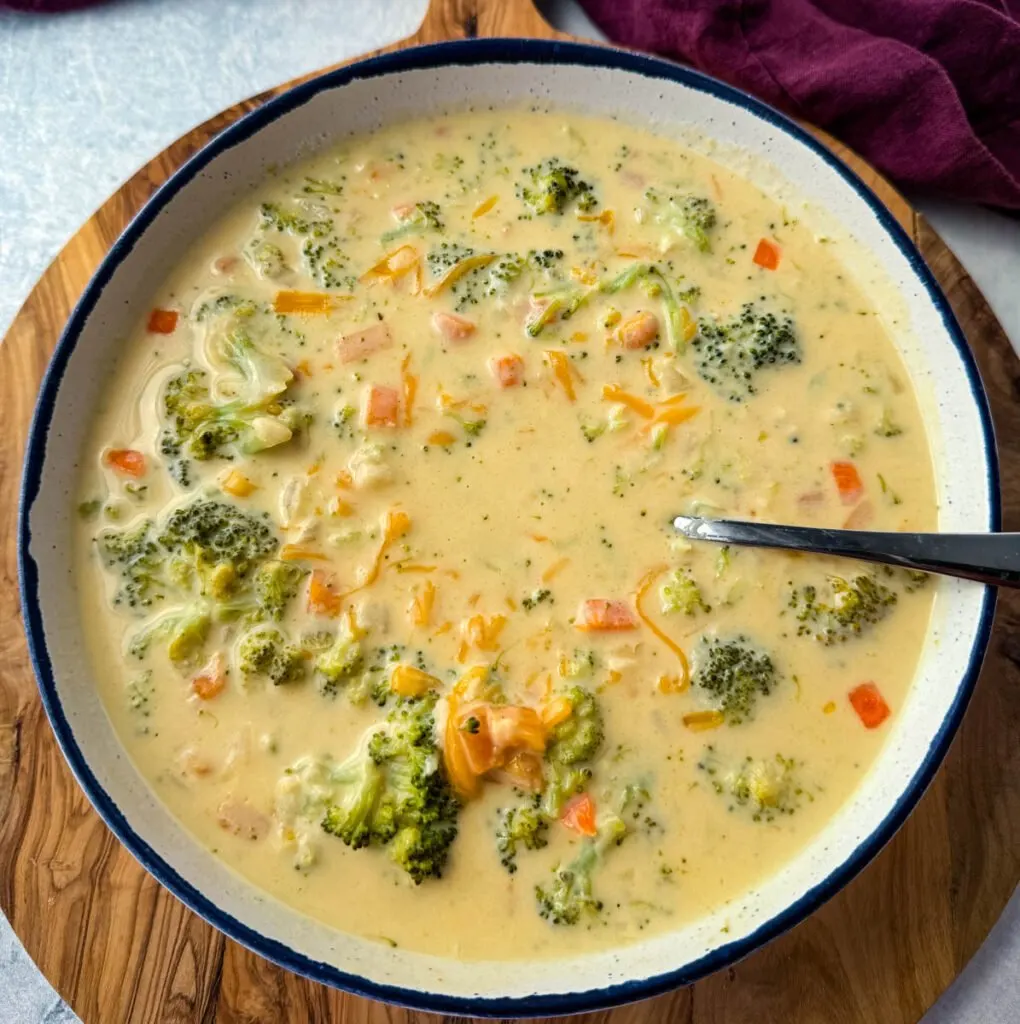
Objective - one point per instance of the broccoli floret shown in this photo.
(183, 630)
(136, 556)
(203, 429)
(268, 259)
(393, 793)
(213, 532)
(569, 897)
(551, 186)
(340, 663)
(730, 354)
(421, 218)
(580, 665)
(525, 825)
(767, 787)
(688, 215)
(852, 606)
(735, 674)
(579, 737)
(274, 585)
(266, 652)
(273, 216)
(680, 593)
(327, 263)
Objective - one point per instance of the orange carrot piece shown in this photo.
(382, 406)
(563, 370)
(767, 255)
(307, 303)
(209, 683)
(361, 344)
(508, 370)
(869, 704)
(603, 616)
(638, 331)
(126, 461)
(579, 815)
(453, 327)
(162, 321)
(848, 482)
(322, 598)
(615, 393)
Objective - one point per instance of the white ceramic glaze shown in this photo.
(672, 101)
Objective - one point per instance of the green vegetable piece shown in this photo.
(735, 674)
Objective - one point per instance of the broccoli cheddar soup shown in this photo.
(375, 544)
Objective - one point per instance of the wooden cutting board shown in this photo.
(120, 948)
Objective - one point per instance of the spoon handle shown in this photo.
(986, 557)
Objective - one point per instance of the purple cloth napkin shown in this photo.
(928, 91)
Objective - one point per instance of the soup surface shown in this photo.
(375, 547)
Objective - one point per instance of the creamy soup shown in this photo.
(375, 551)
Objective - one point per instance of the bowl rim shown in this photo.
(473, 52)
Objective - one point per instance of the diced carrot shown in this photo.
(126, 461)
(600, 615)
(699, 721)
(382, 406)
(615, 393)
(767, 255)
(483, 208)
(209, 683)
(457, 271)
(861, 517)
(236, 483)
(422, 604)
(563, 370)
(579, 815)
(869, 704)
(508, 370)
(451, 326)
(322, 598)
(361, 344)
(848, 482)
(408, 681)
(638, 331)
(162, 321)
(307, 303)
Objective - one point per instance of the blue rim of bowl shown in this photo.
(468, 53)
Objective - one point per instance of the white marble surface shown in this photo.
(87, 98)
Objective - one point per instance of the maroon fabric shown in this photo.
(927, 90)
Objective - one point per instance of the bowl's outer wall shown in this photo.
(356, 99)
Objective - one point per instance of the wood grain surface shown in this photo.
(120, 948)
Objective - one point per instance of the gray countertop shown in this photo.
(86, 98)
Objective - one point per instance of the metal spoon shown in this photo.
(986, 557)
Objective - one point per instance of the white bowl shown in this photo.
(782, 159)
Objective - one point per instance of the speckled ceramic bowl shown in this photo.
(783, 160)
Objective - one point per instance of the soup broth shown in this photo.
(375, 550)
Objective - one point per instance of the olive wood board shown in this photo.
(119, 948)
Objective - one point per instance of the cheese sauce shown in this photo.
(468, 369)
